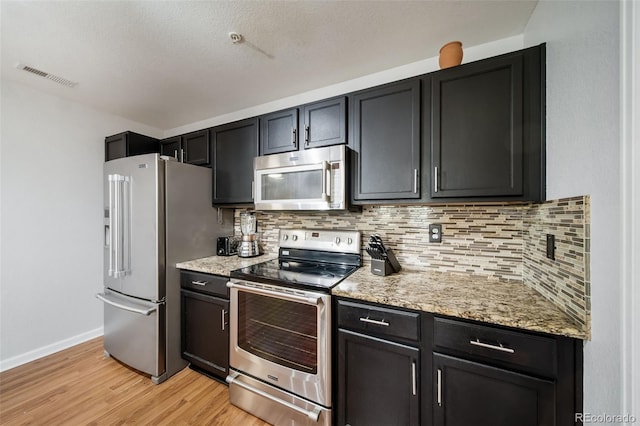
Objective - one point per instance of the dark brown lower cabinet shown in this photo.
(205, 333)
(403, 367)
(378, 381)
(470, 393)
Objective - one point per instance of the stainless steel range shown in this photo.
(280, 349)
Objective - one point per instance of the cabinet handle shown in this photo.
(378, 322)
(175, 154)
(501, 348)
(415, 181)
(439, 388)
(200, 282)
(182, 155)
(306, 135)
(293, 136)
(435, 179)
(223, 312)
(414, 386)
(253, 190)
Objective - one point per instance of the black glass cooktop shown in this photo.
(295, 273)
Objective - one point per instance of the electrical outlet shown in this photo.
(435, 233)
(551, 246)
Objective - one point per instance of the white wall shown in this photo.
(50, 221)
(583, 157)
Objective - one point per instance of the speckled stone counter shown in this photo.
(221, 265)
(504, 302)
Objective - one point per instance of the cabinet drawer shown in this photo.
(205, 283)
(528, 352)
(376, 320)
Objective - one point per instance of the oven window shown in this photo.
(279, 330)
(300, 185)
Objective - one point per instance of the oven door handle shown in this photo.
(310, 300)
(314, 415)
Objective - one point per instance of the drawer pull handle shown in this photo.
(439, 396)
(501, 348)
(414, 384)
(199, 282)
(377, 322)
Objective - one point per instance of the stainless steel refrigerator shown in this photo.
(157, 212)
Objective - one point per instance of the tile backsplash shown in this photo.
(505, 241)
(565, 280)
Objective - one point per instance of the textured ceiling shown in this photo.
(171, 63)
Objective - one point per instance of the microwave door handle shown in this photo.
(326, 184)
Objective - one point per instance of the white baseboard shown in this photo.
(15, 361)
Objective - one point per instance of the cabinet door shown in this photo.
(477, 140)
(196, 148)
(279, 132)
(115, 147)
(128, 144)
(325, 123)
(468, 393)
(205, 332)
(235, 146)
(377, 381)
(171, 147)
(386, 133)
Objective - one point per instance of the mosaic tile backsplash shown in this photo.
(565, 280)
(504, 241)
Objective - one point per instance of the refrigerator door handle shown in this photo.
(119, 224)
(126, 225)
(117, 247)
(112, 225)
(106, 299)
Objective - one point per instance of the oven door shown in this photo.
(282, 337)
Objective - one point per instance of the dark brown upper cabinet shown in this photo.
(386, 143)
(234, 147)
(487, 129)
(325, 123)
(127, 144)
(196, 148)
(192, 148)
(279, 132)
(172, 147)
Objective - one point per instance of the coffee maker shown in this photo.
(248, 246)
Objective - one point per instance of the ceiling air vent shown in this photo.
(51, 77)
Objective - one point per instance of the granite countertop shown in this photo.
(491, 300)
(481, 298)
(221, 265)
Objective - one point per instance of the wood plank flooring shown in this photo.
(79, 386)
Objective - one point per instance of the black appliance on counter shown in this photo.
(280, 327)
(227, 246)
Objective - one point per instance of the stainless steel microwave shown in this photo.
(313, 179)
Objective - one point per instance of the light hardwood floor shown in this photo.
(79, 386)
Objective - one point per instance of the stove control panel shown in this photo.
(320, 239)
